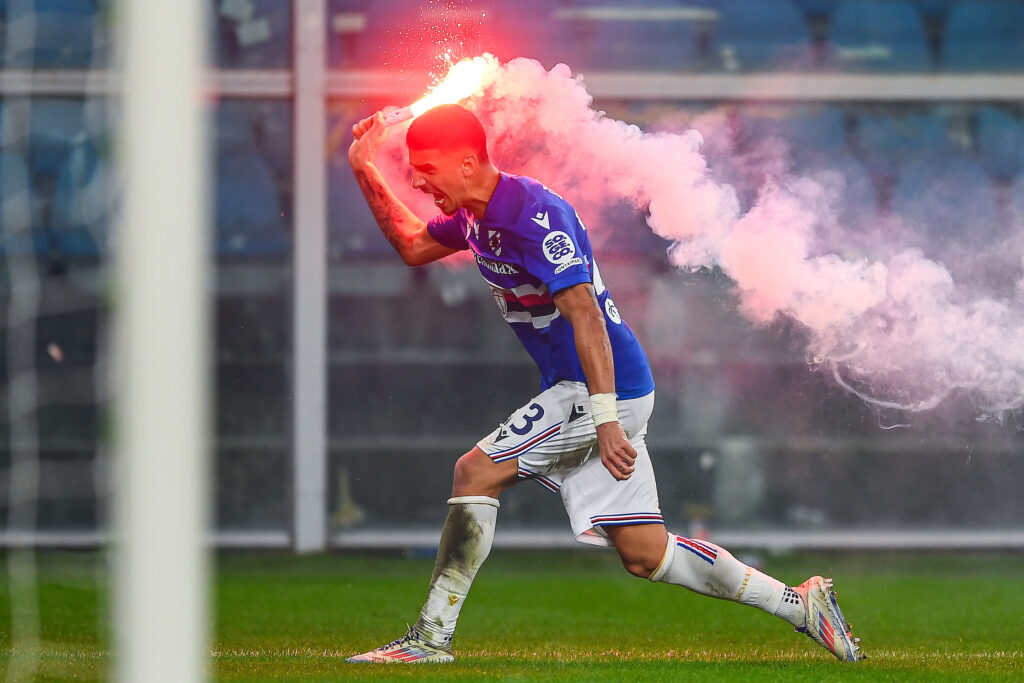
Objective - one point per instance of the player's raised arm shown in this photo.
(402, 228)
(578, 304)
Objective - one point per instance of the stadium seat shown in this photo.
(1000, 142)
(887, 140)
(760, 34)
(56, 125)
(248, 205)
(985, 35)
(934, 9)
(658, 35)
(878, 35)
(19, 210)
(816, 8)
(55, 34)
(83, 203)
(252, 34)
(401, 36)
(346, 31)
(249, 220)
(932, 195)
(1017, 204)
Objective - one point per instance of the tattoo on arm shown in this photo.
(390, 214)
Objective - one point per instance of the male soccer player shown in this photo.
(583, 435)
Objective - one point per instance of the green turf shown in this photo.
(559, 616)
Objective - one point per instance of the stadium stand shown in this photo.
(985, 35)
(19, 209)
(55, 34)
(999, 138)
(759, 35)
(399, 35)
(56, 125)
(248, 206)
(656, 35)
(934, 196)
(1016, 203)
(251, 34)
(878, 35)
(83, 202)
(886, 140)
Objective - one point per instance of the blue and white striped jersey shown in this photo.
(529, 245)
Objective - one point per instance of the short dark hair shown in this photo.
(446, 127)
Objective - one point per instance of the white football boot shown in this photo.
(826, 624)
(412, 648)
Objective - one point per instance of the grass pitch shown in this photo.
(557, 616)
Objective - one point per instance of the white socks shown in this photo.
(709, 569)
(465, 543)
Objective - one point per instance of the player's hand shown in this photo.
(617, 454)
(369, 134)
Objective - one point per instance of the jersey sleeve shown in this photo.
(550, 248)
(450, 231)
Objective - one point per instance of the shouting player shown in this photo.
(583, 435)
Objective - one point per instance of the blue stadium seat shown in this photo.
(19, 210)
(1017, 202)
(249, 220)
(932, 195)
(347, 25)
(83, 202)
(887, 141)
(257, 35)
(56, 125)
(760, 34)
(412, 37)
(934, 9)
(1000, 142)
(812, 133)
(878, 35)
(67, 34)
(248, 201)
(985, 35)
(816, 8)
(656, 35)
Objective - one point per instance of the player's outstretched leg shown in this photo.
(709, 569)
(465, 543)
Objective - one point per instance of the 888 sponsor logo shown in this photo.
(558, 248)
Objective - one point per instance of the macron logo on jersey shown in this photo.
(541, 219)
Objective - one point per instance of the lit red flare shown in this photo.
(463, 79)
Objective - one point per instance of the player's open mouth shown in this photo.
(438, 200)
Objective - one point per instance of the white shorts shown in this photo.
(554, 438)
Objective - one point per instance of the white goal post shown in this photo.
(160, 353)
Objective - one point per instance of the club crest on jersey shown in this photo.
(611, 311)
(494, 242)
(499, 297)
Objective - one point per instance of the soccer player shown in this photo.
(583, 435)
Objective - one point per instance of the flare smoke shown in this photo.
(898, 315)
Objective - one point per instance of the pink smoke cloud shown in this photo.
(889, 322)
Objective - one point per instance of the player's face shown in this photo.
(439, 174)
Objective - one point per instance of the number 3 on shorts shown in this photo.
(536, 414)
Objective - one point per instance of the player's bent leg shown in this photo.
(641, 547)
(477, 475)
(465, 543)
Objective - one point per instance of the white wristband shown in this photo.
(603, 408)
